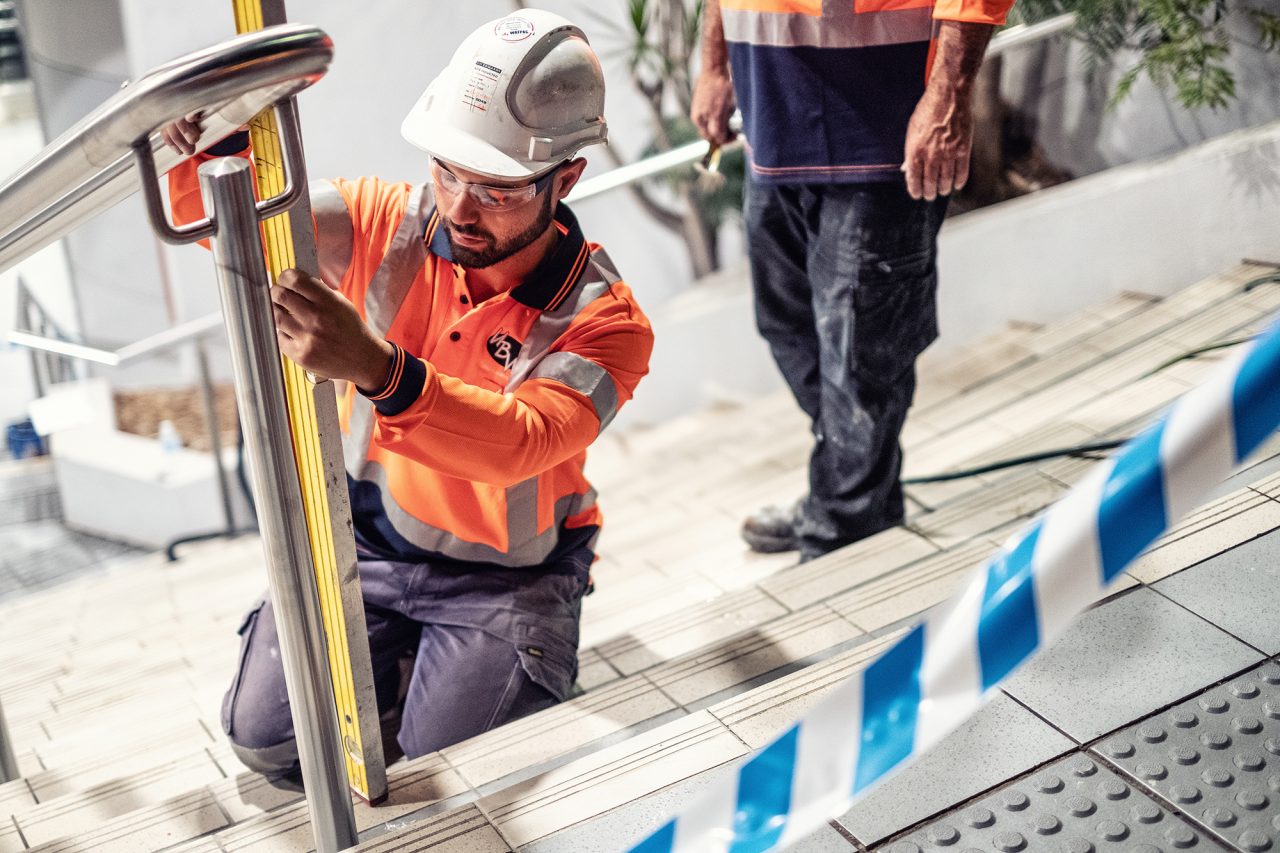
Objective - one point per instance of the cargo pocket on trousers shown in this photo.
(246, 636)
(895, 312)
(893, 323)
(550, 661)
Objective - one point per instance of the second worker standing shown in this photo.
(858, 124)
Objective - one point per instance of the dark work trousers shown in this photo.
(488, 647)
(845, 282)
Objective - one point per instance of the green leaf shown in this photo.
(1268, 26)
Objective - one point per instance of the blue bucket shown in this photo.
(23, 440)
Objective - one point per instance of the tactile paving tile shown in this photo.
(1074, 805)
(1216, 757)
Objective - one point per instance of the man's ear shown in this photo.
(568, 176)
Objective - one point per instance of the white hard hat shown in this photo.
(520, 95)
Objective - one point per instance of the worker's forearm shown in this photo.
(715, 56)
(958, 56)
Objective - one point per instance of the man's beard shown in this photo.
(495, 251)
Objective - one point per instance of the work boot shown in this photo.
(773, 529)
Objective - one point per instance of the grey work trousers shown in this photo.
(845, 283)
(488, 646)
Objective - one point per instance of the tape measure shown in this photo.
(289, 242)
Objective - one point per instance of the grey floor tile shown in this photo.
(625, 826)
(1236, 590)
(1215, 758)
(1123, 659)
(1074, 805)
(1001, 741)
(1268, 462)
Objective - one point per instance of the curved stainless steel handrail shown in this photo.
(91, 166)
(171, 338)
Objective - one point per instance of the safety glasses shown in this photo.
(487, 197)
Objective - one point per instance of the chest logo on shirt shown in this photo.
(504, 348)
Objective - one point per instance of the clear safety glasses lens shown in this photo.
(490, 198)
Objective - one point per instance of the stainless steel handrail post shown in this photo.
(8, 764)
(246, 303)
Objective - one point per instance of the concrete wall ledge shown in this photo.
(1152, 227)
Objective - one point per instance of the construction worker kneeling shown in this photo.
(486, 344)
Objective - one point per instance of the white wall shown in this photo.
(1152, 227)
(78, 57)
(1079, 133)
(44, 273)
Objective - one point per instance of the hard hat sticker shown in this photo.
(513, 29)
(480, 85)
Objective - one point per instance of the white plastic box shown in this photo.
(129, 488)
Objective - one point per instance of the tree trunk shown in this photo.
(986, 165)
(699, 236)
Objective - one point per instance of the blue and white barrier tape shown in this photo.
(1025, 596)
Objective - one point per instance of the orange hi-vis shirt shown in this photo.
(474, 449)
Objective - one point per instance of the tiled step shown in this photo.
(525, 758)
(1106, 360)
(812, 582)
(465, 830)
(694, 678)
(689, 629)
(689, 644)
(1237, 517)
(411, 787)
(526, 812)
(28, 491)
(1077, 399)
(598, 716)
(610, 777)
(88, 745)
(1171, 653)
(119, 769)
(147, 829)
(78, 813)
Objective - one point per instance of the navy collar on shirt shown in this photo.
(550, 283)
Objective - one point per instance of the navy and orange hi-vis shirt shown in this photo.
(827, 87)
(474, 450)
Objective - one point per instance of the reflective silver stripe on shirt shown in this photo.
(551, 325)
(839, 26)
(334, 232)
(406, 255)
(526, 545)
(584, 376)
(382, 300)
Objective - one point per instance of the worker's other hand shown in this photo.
(183, 134)
(939, 139)
(321, 331)
(713, 105)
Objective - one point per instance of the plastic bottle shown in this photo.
(170, 441)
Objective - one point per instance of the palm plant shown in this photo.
(1180, 45)
(657, 42)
